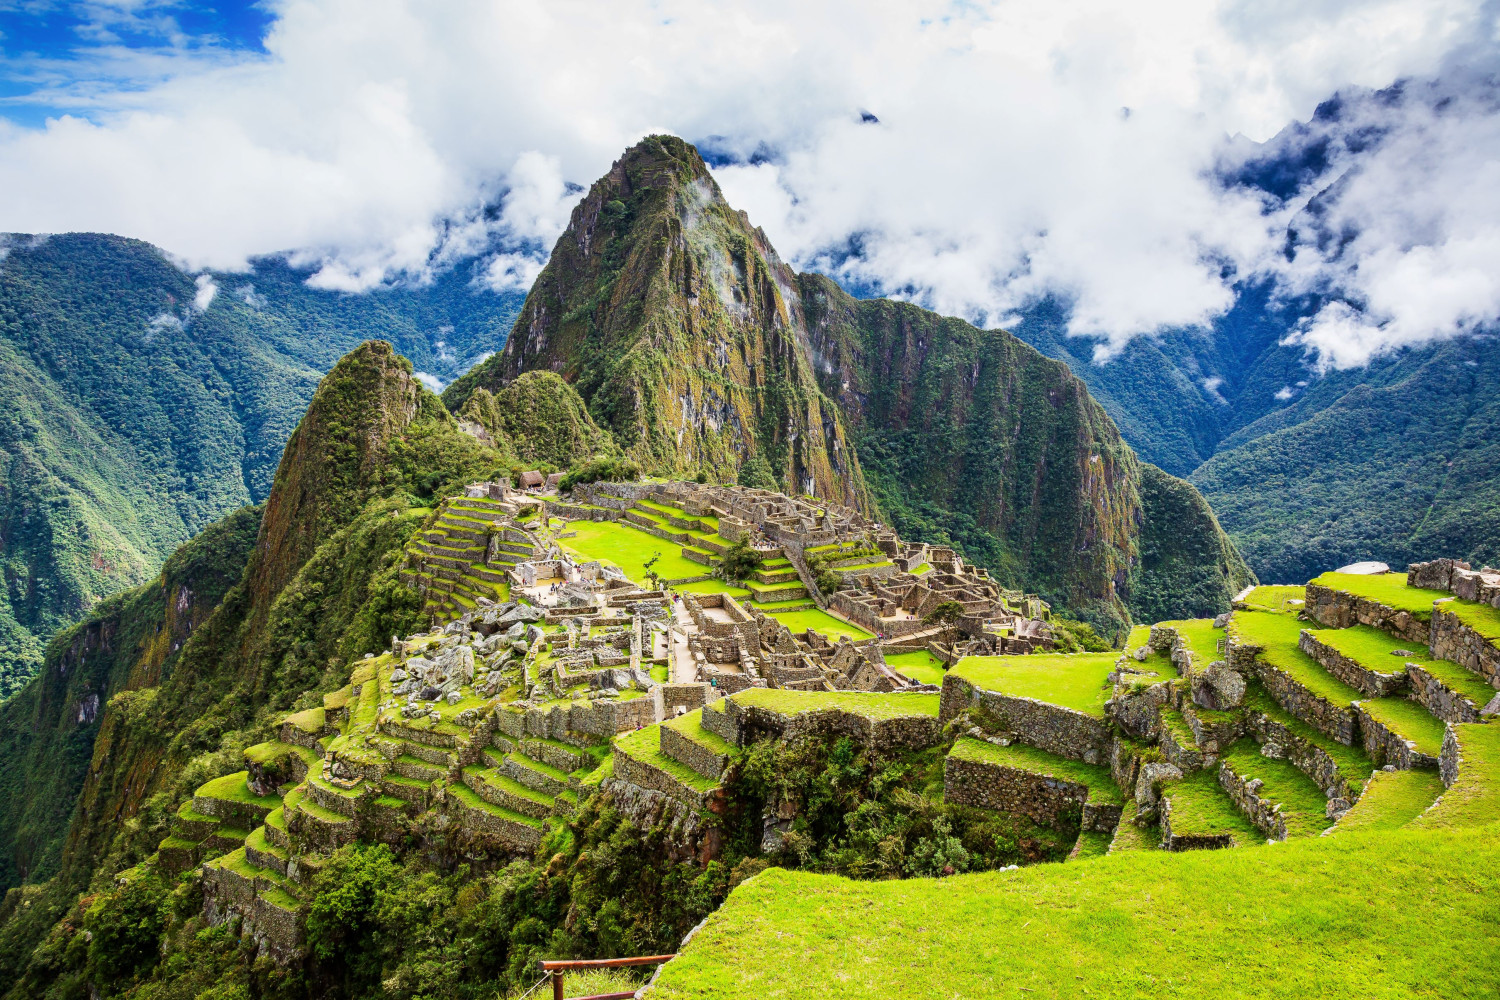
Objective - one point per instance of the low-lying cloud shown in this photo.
(971, 157)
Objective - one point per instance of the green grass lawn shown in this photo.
(232, 787)
(1201, 637)
(871, 705)
(1200, 807)
(713, 587)
(820, 621)
(1300, 919)
(1480, 617)
(1391, 800)
(644, 745)
(1021, 757)
(1302, 802)
(628, 548)
(1076, 682)
(1275, 598)
(1389, 589)
(1351, 761)
(921, 666)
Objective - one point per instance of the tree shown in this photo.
(756, 474)
(738, 561)
(947, 613)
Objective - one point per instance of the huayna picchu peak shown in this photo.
(700, 350)
(724, 629)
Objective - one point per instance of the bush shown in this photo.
(1074, 636)
(601, 470)
(755, 473)
(738, 562)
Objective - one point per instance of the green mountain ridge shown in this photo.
(133, 419)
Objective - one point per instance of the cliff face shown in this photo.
(682, 331)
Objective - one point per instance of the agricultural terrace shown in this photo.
(1075, 681)
(1389, 589)
(629, 548)
(920, 666)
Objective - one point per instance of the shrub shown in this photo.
(601, 470)
(738, 562)
(756, 473)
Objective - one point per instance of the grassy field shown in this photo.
(870, 705)
(920, 666)
(1480, 617)
(1389, 589)
(713, 587)
(820, 621)
(1307, 918)
(1277, 635)
(1474, 798)
(1101, 786)
(1076, 682)
(629, 548)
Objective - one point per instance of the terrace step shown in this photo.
(534, 774)
(502, 790)
(1391, 799)
(1197, 813)
(684, 740)
(638, 759)
(1272, 793)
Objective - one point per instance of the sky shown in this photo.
(970, 156)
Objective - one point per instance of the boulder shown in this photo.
(1218, 687)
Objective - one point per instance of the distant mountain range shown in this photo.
(137, 404)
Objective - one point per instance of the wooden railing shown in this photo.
(556, 970)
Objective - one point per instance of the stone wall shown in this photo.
(1336, 609)
(1439, 699)
(1385, 747)
(1171, 841)
(1452, 640)
(636, 772)
(1450, 760)
(1045, 800)
(1371, 683)
(1263, 813)
(693, 754)
(275, 933)
(1307, 757)
(1337, 721)
(1053, 728)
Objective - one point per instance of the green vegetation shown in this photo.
(613, 470)
(1389, 589)
(1375, 650)
(1390, 800)
(1278, 634)
(1474, 799)
(1275, 598)
(1201, 637)
(871, 705)
(1201, 808)
(1302, 802)
(1021, 757)
(1136, 924)
(629, 548)
(738, 562)
(1076, 682)
(920, 666)
(1480, 617)
(755, 472)
(945, 614)
(644, 745)
(1409, 720)
(538, 418)
(820, 621)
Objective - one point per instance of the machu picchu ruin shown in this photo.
(710, 631)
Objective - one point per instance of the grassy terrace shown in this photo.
(820, 621)
(713, 587)
(870, 705)
(1375, 650)
(1474, 798)
(1101, 786)
(1295, 920)
(1408, 720)
(1201, 637)
(629, 548)
(1158, 663)
(1278, 635)
(1480, 617)
(232, 787)
(1200, 807)
(644, 745)
(1072, 681)
(1351, 761)
(1275, 598)
(691, 727)
(1389, 589)
(1302, 802)
(920, 666)
(1391, 800)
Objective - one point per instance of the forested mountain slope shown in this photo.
(138, 405)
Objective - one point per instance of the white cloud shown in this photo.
(207, 289)
(430, 381)
(1021, 149)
